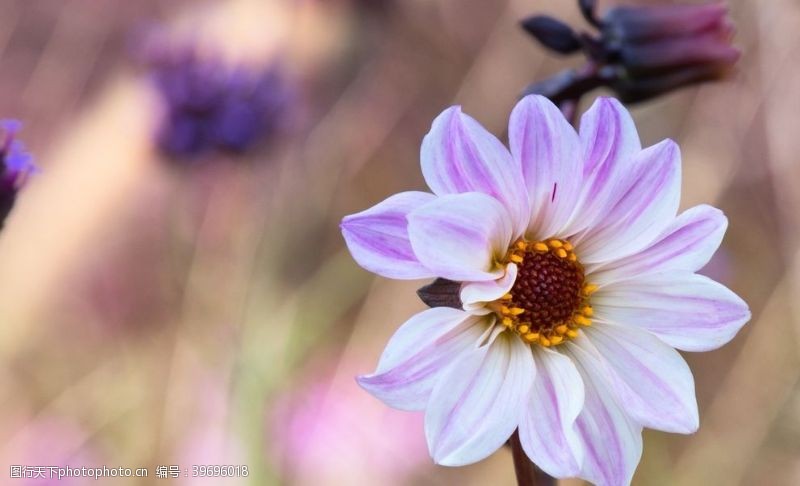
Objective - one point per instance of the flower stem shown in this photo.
(527, 472)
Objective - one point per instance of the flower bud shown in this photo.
(587, 10)
(650, 40)
(657, 49)
(637, 24)
(705, 49)
(552, 33)
(641, 52)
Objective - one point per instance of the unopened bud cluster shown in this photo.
(638, 51)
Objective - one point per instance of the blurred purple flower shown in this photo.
(641, 51)
(15, 166)
(209, 104)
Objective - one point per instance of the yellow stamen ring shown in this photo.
(549, 303)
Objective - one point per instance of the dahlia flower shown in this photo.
(577, 282)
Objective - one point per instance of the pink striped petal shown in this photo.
(462, 236)
(645, 201)
(476, 405)
(418, 352)
(459, 155)
(687, 311)
(378, 237)
(475, 295)
(547, 428)
(609, 140)
(548, 152)
(687, 244)
(611, 440)
(650, 378)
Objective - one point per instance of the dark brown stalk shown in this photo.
(527, 472)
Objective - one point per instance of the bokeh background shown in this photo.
(157, 314)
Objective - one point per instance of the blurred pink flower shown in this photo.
(210, 439)
(50, 441)
(329, 432)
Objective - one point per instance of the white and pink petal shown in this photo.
(687, 311)
(650, 377)
(458, 155)
(475, 295)
(378, 237)
(644, 202)
(611, 439)
(548, 151)
(476, 404)
(417, 354)
(687, 244)
(609, 141)
(462, 236)
(547, 427)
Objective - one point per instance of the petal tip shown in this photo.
(365, 382)
(451, 113)
(609, 102)
(688, 428)
(536, 99)
(447, 460)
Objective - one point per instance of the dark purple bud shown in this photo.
(651, 57)
(552, 33)
(588, 10)
(441, 293)
(16, 164)
(594, 48)
(657, 49)
(636, 24)
(642, 51)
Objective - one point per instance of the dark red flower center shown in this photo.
(549, 300)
